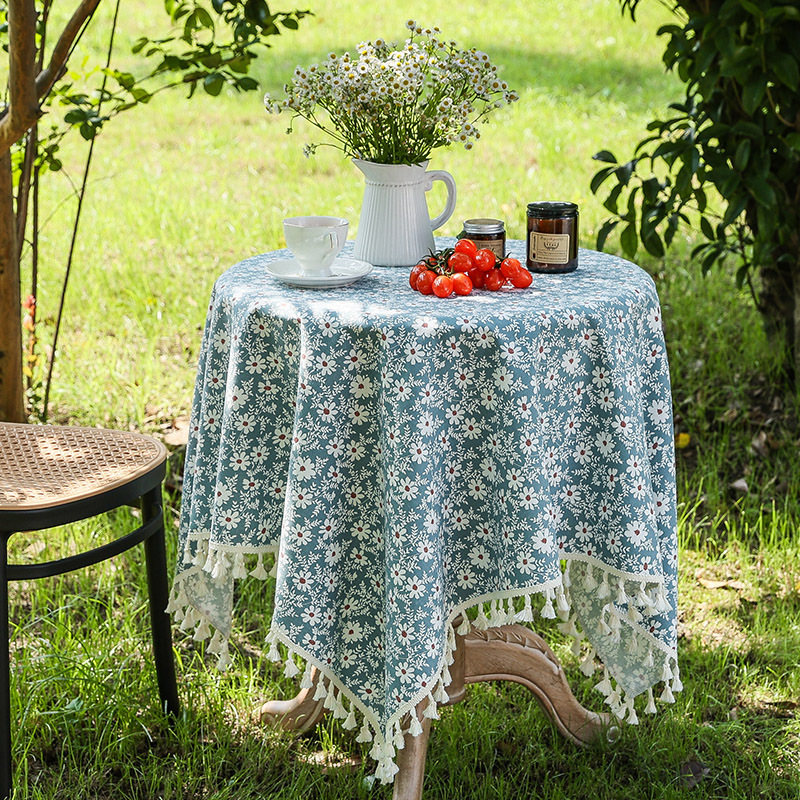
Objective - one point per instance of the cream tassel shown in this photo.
(651, 704)
(464, 627)
(526, 615)
(589, 582)
(548, 612)
(307, 682)
(290, 669)
(239, 569)
(604, 590)
(481, 622)
(365, 734)
(259, 572)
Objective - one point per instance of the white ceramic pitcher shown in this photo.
(395, 229)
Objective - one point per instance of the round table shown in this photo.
(429, 471)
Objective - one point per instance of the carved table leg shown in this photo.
(299, 714)
(508, 653)
(411, 762)
(516, 653)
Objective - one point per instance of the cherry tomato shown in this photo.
(425, 281)
(415, 273)
(459, 262)
(510, 267)
(443, 286)
(485, 259)
(523, 279)
(494, 280)
(466, 246)
(462, 283)
(478, 277)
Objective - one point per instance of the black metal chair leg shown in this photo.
(5, 677)
(156, 556)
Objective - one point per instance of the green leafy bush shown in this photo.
(727, 155)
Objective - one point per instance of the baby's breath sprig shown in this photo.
(395, 104)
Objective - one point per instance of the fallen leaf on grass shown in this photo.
(682, 441)
(691, 773)
(740, 486)
(759, 444)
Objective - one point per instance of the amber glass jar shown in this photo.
(486, 233)
(552, 237)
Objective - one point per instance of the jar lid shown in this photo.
(484, 225)
(550, 210)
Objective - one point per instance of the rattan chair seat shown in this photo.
(49, 465)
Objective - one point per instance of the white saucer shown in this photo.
(344, 271)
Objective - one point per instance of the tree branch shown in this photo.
(23, 103)
(58, 58)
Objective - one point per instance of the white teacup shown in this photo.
(315, 242)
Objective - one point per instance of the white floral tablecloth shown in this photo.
(409, 459)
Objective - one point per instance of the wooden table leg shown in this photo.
(299, 714)
(507, 653)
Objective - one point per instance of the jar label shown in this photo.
(549, 248)
(495, 245)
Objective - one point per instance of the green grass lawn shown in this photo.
(183, 189)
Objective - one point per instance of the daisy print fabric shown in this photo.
(419, 465)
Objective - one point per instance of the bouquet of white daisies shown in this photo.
(395, 104)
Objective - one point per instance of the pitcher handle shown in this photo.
(447, 179)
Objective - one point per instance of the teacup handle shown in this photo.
(450, 206)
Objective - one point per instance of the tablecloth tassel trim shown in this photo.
(481, 621)
(604, 686)
(642, 599)
(615, 624)
(215, 645)
(365, 734)
(562, 603)
(589, 582)
(258, 571)
(604, 590)
(588, 665)
(633, 614)
(200, 553)
(273, 654)
(648, 662)
(202, 631)
(662, 604)
(465, 626)
(415, 726)
(190, 619)
(666, 695)
(677, 684)
(548, 612)
(322, 692)
(224, 660)
(350, 722)
(273, 573)
(239, 569)
(650, 708)
(632, 719)
(431, 711)
(495, 620)
(622, 597)
(566, 578)
(399, 738)
(601, 622)
(290, 668)
(307, 681)
(526, 615)
(451, 641)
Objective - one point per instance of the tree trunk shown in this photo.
(779, 304)
(11, 397)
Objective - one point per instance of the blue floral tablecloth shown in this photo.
(411, 459)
